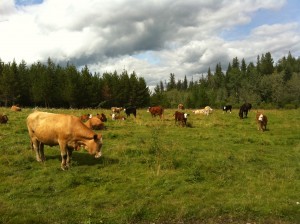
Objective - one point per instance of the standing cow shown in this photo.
(64, 130)
(226, 108)
(262, 121)
(180, 106)
(130, 110)
(157, 110)
(181, 117)
(244, 110)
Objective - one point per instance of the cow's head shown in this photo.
(261, 117)
(185, 115)
(94, 145)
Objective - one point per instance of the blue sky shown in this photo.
(153, 38)
(289, 12)
(28, 2)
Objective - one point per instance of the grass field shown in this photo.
(219, 169)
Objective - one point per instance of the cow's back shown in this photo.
(49, 128)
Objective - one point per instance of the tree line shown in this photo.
(51, 85)
(264, 84)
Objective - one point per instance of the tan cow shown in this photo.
(64, 130)
(15, 108)
(84, 117)
(180, 106)
(208, 110)
(94, 123)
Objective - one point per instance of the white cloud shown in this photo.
(154, 38)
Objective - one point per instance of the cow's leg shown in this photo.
(41, 152)
(64, 155)
(69, 157)
(36, 147)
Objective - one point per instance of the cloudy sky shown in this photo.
(152, 37)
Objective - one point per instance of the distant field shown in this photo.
(219, 169)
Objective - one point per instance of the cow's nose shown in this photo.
(98, 155)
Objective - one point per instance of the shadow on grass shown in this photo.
(85, 159)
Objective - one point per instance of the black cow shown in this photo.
(244, 110)
(227, 107)
(130, 110)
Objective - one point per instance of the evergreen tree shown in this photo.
(185, 83)
(266, 65)
(171, 84)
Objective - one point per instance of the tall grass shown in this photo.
(219, 169)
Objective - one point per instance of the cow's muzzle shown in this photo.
(98, 155)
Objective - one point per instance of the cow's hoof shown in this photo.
(64, 167)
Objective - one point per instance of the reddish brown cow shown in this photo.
(181, 117)
(158, 110)
(3, 119)
(102, 117)
(15, 108)
(94, 123)
(262, 121)
(64, 130)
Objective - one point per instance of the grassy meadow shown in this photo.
(219, 169)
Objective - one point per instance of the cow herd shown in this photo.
(71, 132)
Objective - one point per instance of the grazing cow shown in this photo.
(226, 108)
(181, 117)
(180, 107)
(102, 117)
(94, 123)
(262, 121)
(130, 110)
(15, 108)
(244, 110)
(64, 130)
(3, 119)
(116, 109)
(158, 110)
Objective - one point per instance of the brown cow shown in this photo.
(94, 123)
(3, 119)
(102, 117)
(262, 121)
(15, 108)
(180, 106)
(158, 110)
(64, 130)
(85, 117)
(181, 117)
(116, 109)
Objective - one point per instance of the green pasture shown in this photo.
(219, 169)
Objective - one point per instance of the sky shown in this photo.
(153, 38)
